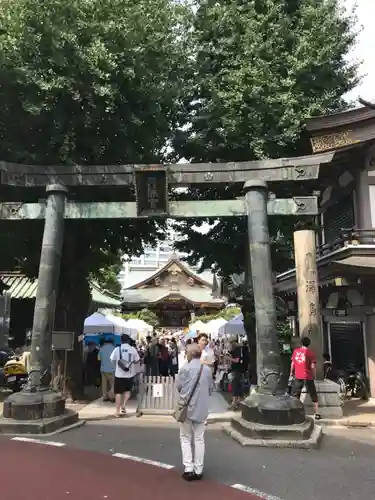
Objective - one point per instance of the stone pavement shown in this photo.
(52, 472)
(357, 413)
(99, 410)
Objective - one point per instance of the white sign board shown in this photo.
(157, 390)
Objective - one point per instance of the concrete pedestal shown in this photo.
(277, 421)
(39, 412)
(268, 409)
(305, 435)
(330, 403)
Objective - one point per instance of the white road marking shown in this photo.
(254, 491)
(143, 460)
(38, 441)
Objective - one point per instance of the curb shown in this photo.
(226, 418)
(132, 416)
(71, 427)
(348, 424)
(98, 418)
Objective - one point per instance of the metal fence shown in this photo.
(157, 395)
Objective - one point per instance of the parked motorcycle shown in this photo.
(357, 385)
(353, 383)
(5, 355)
(15, 374)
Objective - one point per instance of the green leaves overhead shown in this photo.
(100, 82)
(92, 82)
(262, 68)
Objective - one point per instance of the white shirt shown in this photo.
(208, 356)
(130, 355)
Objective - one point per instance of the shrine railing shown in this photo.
(357, 237)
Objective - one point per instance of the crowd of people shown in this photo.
(162, 355)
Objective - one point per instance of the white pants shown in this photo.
(192, 432)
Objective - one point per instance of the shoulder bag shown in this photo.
(181, 409)
(122, 364)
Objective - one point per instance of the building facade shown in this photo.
(137, 268)
(175, 292)
(345, 240)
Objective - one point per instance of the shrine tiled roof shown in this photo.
(20, 286)
(138, 278)
(147, 296)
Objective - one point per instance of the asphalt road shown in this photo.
(343, 469)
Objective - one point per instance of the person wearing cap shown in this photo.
(193, 428)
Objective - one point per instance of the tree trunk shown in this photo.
(72, 307)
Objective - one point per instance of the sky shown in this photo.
(365, 49)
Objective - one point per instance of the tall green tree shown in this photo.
(262, 68)
(88, 82)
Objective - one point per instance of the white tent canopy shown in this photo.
(197, 325)
(233, 327)
(139, 326)
(97, 323)
(121, 323)
(213, 326)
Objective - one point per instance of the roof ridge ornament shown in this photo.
(367, 104)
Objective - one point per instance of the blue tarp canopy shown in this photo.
(97, 326)
(233, 327)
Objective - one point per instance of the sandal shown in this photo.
(318, 416)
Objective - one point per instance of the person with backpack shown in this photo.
(126, 358)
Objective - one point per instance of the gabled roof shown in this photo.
(349, 117)
(173, 260)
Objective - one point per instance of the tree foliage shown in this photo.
(108, 276)
(262, 68)
(228, 313)
(87, 83)
(146, 315)
(91, 83)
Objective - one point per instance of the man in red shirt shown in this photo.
(303, 369)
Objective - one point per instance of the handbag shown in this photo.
(122, 364)
(181, 409)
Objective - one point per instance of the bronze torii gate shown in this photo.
(46, 409)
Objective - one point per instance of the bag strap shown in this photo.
(129, 363)
(195, 386)
(119, 348)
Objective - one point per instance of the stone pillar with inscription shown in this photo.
(37, 408)
(309, 319)
(269, 413)
(308, 292)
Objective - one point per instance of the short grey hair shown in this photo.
(193, 351)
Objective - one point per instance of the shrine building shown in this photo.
(174, 292)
